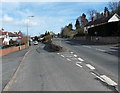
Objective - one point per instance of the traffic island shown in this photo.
(54, 48)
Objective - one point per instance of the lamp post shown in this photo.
(28, 29)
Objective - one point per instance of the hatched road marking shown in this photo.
(80, 59)
(77, 63)
(68, 59)
(90, 66)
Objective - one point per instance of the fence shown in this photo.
(107, 40)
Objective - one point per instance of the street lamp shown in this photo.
(27, 29)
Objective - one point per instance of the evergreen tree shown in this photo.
(77, 25)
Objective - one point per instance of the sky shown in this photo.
(48, 16)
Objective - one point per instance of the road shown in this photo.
(41, 70)
(103, 57)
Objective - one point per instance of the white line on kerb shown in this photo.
(62, 56)
(90, 66)
(80, 59)
(78, 64)
(68, 59)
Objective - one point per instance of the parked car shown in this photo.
(35, 42)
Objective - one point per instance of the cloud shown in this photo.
(58, 0)
(7, 19)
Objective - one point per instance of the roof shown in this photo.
(101, 20)
(9, 33)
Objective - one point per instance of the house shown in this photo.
(5, 37)
(105, 26)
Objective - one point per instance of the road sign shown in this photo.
(19, 35)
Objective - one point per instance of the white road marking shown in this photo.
(71, 52)
(87, 46)
(68, 56)
(90, 66)
(75, 55)
(58, 53)
(68, 59)
(108, 80)
(78, 64)
(62, 56)
(100, 50)
(97, 76)
(80, 59)
(74, 58)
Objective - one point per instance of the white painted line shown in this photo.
(58, 53)
(71, 52)
(68, 56)
(68, 59)
(75, 55)
(100, 50)
(62, 56)
(80, 59)
(78, 65)
(97, 76)
(87, 46)
(89, 66)
(74, 58)
(108, 80)
(79, 62)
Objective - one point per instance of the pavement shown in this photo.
(41, 70)
(9, 63)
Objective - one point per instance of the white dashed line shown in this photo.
(71, 52)
(75, 55)
(89, 66)
(100, 50)
(58, 53)
(62, 56)
(68, 56)
(108, 80)
(74, 58)
(78, 64)
(97, 76)
(87, 46)
(80, 59)
(68, 59)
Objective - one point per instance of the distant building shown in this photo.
(5, 37)
(104, 26)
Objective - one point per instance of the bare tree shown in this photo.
(114, 7)
(92, 13)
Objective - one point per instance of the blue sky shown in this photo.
(50, 16)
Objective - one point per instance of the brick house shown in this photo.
(108, 25)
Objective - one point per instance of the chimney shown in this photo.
(92, 19)
(106, 14)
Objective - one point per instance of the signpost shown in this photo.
(19, 39)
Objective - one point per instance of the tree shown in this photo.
(77, 24)
(114, 7)
(106, 12)
(83, 20)
(92, 14)
(70, 26)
